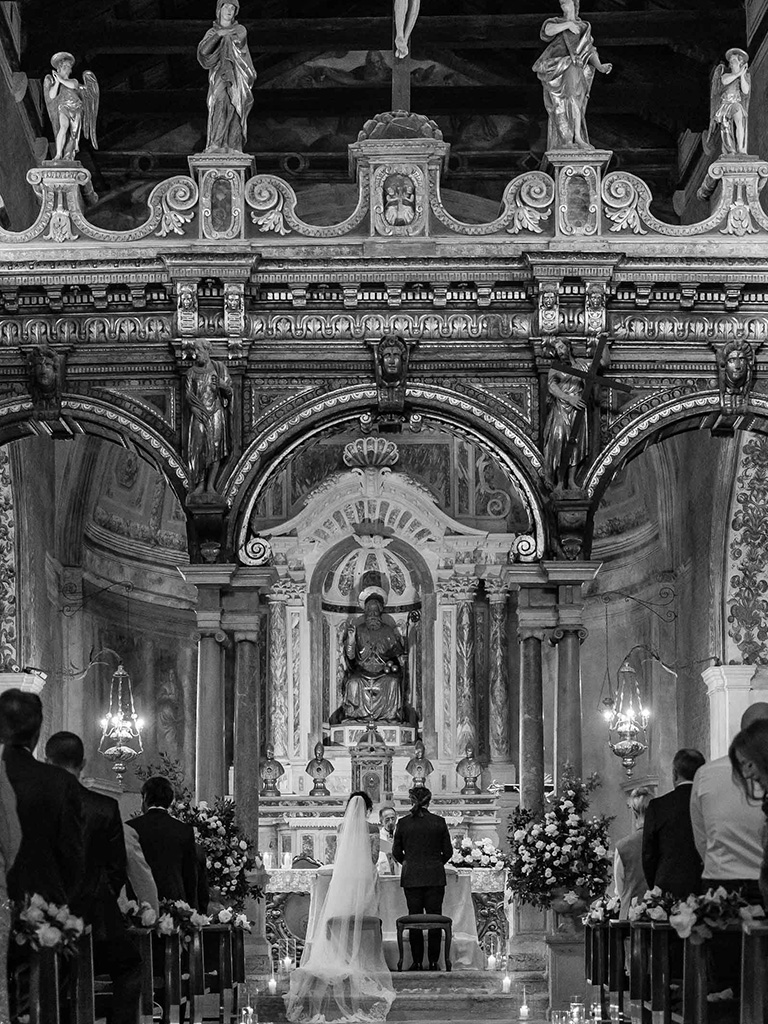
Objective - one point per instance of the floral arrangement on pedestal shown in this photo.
(559, 858)
(235, 869)
(602, 910)
(230, 858)
(228, 915)
(44, 925)
(138, 915)
(480, 853)
(697, 917)
(654, 906)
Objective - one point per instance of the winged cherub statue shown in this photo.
(729, 104)
(72, 107)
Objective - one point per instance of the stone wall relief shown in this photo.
(400, 200)
(746, 602)
(47, 370)
(8, 607)
(735, 374)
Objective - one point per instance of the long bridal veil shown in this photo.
(343, 975)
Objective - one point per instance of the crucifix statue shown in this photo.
(573, 385)
(406, 13)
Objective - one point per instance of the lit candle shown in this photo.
(286, 860)
(491, 962)
(272, 985)
(524, 1012)
(287, 963)
(506, 984)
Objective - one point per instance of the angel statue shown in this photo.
(566, 69)
(72, 107)
(729, 104)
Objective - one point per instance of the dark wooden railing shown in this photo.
(651, 994)
(174, 974)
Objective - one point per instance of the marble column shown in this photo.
(464, 590)
(247, 731)
(729, 689)
(284, 699)
(500, 746)
(568, 701)
(531, 719)
(210, 765)
(210, 769)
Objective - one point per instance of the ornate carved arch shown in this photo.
(661, 415)
(84, 414)
(503, 438)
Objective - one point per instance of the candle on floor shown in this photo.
(506, 984)
(491, 962)
(524, 1011)
(272, 985)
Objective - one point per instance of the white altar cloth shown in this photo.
(466, 954)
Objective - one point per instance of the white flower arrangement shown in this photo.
(602, 910)
(480, 853)
(44, 925)
(697, 917)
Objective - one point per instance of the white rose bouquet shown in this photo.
(138, 916)
(654, 906)
(480, 853)
(697, 917)
(560, 854)
(178, 916)
(603, 910)
(44, 925)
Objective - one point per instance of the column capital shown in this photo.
(287, 591)
(208, 575)
(531, 633)
(458, 589)
(211, 634)
(246, 636)
(497, 589)
(728, 677)
(561, 631)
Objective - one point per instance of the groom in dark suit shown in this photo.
(422, 844)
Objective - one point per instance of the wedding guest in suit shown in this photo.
(139, 875)
(670, 858)
(105, 875)
(51, 857)
(167, 844)
(422, 844)
(10, 841)
(628, 878)
(387, 822)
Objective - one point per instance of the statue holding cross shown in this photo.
(573, 385)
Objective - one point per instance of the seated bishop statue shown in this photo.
(374, 655)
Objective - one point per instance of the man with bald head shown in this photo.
(728, 832)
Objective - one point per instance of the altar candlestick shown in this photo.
(272, 985)
(506, 984)
(286, 860)
(491, 962)
(287, 963)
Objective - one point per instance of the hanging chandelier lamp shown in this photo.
(121, 741)
(627, 717)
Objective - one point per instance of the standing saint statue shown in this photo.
(373, 681)
(223, 52)
(565, 400)
(72, 107)
(729, 104)
(208, 391)
(565, 70)
(406, 13)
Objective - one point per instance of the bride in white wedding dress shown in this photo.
(343, 975)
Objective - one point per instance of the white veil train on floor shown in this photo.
(343, 975)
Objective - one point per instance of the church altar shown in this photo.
(474, 900)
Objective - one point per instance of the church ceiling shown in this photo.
(325, 68)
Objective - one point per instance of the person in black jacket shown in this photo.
(422, 844)
(48, 800)
(670, 858)
(168, 844)
(105, 875)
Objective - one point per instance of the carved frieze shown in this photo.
(693, 328)
(358, 326)
(73, 330)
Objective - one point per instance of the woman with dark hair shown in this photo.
(373, 830)
(749, 756)
(422, 844)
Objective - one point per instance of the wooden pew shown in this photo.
(54, 981)
(754, 972)
(618, 982)
(639, 972)
(596, 965)
(143, 939)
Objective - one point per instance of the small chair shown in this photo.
(425, 923)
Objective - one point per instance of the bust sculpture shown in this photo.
(419, 767)
(270, 770)
(372, 689)
(318, 769)
(735, 374)
(470, 770)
